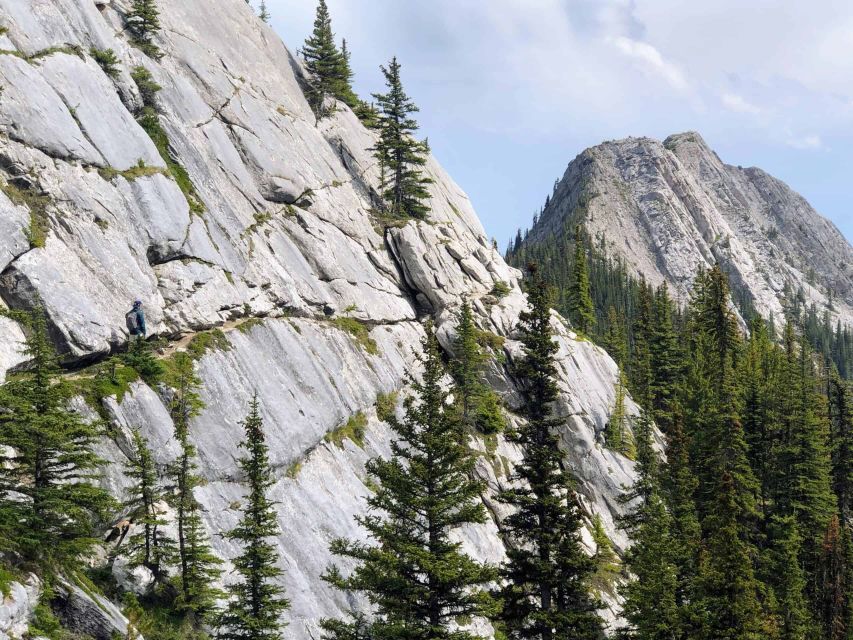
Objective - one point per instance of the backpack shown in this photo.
(131, 319)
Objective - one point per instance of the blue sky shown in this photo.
(511, 90)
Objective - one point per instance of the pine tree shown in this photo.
(616, 436)
(650, 605)
(328, 67)
(150, 547)
(344, 91)
(52, 464)
(804, 488)
(832, 577)
(256, 603)
(678, 487)
(144, 23)
(478, 404)
(665, 359)
(545, 594)
(727, 587)
(640, 369)
(263, 14)
(841, 424)
(416, 577)
(580, 300)
(198, 565)
(788, 580)
(614, 339)
(403, 188)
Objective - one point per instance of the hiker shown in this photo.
(135, 320)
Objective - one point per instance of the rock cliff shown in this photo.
(669, 207)
(255, 219)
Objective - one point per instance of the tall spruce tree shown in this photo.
(403, 187)
(416, 577)
(678, 486)
(477, 402)
(841, 438)
(328, 66)
(545, 594)
(198, 566)
(150, 547)
(144, 23)
(263, 13)
(788, 580)
(650, 604)
(665, 359)
(804, 487)
(51, 465)
(580, 299)
(833, 576)
(256, 603)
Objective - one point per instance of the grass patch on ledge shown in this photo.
(140, 170)
(37, 205)
(358, 330)
(353, 430)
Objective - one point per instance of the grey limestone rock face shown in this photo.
(670, 207)
(17, 608)
(286, 239)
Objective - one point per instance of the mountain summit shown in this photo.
(669, 207)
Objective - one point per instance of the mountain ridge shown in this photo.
(668, 207)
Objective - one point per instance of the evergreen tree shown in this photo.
(198, 565)
(144, 23)
(650, 605)
(345, 92)
(263, 14)
(841, 424)
(640, 370)
(788, 581)
(832, 578)
(665, 359)
(256, 604)
(545, 594)
(804, 488)
(150, 547)
(51, 464)
(403, 187)
(477, 403)
(329, 68)
(614, 339)
(616, 436)
(580, 300)
(727, 587)
(678, 487)
(416, 577)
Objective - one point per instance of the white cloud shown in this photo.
(650, 59)
(735, 102)
(806, 142)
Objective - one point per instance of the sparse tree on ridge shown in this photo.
(198, 566)
(403, 188)
(144, 23)
(51, 462)
(545, 594)
(256, 602)
(419, 581)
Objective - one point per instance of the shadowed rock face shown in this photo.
(285, 235)
(669, 207)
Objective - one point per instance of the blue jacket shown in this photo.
(140, 316)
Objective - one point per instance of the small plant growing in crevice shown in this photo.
(500, 289)
(353, 429)
(386, 405)
(107, 60)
